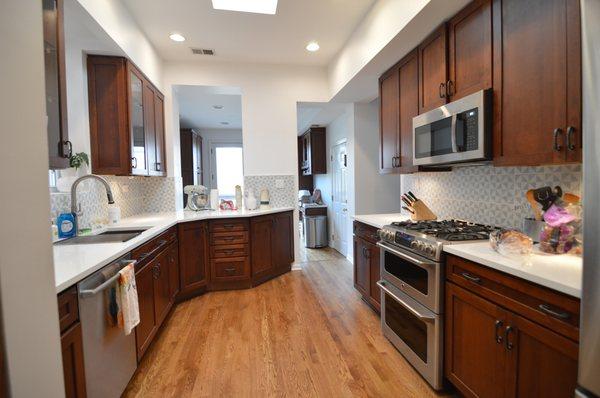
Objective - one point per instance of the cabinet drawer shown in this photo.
(228, 225)
(547, 307)
(68, 308)
(230, 269)
(148, 250)
(228, 238)
(228, 251)
(366, 232)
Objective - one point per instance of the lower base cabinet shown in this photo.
(367, 264)
(272, 245)
(73, 366)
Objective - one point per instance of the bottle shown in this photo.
(54, 230)
(251, 202)
(66, 225)
(238, 197)
(114, 214)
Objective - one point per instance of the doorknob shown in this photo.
(344, 210)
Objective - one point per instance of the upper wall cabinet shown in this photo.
(470, 50)
(388, 121)
(313, 152)
(59, 146)
(537, 108)
(126, 119)
(433, 70)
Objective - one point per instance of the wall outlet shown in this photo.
(279, 184)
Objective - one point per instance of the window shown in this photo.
(229, 167)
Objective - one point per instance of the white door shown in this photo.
(339, 166)
(226, 168)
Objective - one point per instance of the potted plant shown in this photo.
(79, 163)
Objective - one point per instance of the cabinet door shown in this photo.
(283, 239)
(362, 269)
(144, 331)
(433, 68)
(162, 288)
(408, 75)
(541, 363)
(470, 50)
(197, 160)
(538, 87)
(388, 121)
(139, 97)
(150, 127)
(261, 232)
(193, 255)
(73, 366)
(173, 271)
(475, 356)
(160, 165)
(374, 275)
(59, 147)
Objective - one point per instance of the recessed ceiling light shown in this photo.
(313, 46)
(225, 123)
(176, 37)
(218, 106)
(255, 6)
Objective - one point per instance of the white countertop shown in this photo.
(560, 272)
(379, 220)
(72, 263)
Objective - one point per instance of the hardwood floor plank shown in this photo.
(304, 334)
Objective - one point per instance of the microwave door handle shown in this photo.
(423, 317)
(453, 135)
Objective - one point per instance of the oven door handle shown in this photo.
(406, 256)
(423, 317)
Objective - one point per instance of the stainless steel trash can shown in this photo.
(315, 231)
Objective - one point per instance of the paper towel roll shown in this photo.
(214, 199)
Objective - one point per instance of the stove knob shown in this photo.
(413, 244)
(381, 233)
(429, 250)
(420, 246)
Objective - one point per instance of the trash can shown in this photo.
(315, 231)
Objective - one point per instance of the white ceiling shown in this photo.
(318, 113)
(236, 36)
(196, 107)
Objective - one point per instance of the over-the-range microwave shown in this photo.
(458, 132)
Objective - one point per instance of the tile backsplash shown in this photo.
(487, 194)
(134, 195)
(282, 188)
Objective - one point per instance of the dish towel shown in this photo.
(127, 299)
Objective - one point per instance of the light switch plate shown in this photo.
(279, 184)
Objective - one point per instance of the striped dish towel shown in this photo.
(127, 298)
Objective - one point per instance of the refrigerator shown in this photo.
(589, 342)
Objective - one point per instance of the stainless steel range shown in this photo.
(412, 280)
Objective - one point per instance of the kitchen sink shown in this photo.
(104, 237)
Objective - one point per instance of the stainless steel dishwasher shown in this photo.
(109, 355)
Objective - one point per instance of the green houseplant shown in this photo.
(78, 160)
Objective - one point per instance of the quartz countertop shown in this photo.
(379, 220)
(72, 263)
(560, 272)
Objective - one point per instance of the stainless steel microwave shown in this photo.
(458, 132)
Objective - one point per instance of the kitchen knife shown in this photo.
(408, 198)
(406, 201)
(412, 196)
(408, 210)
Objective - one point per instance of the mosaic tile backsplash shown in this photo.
(134, 195)
(487, 194)
(283, 195)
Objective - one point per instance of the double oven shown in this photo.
(411, 308)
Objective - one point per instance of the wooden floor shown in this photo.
(304, 334)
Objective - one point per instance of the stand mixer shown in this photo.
(198, 198)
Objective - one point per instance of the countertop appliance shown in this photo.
(458, 132)
(109, 355)
(589, 349)
(412, 280)
(197, 197)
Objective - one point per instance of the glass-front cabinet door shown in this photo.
(138, 137)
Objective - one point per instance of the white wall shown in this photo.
(375, 193)
(28, 296)
(210, 136)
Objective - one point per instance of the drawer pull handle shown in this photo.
(229, 270)
(507, 332)
(227, 226)
(497, 327)
(229, 238)
(474, 279)
(556, 133)
(557, 314)
(229, 251)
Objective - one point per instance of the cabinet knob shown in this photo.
(570, 133)
(158, 166)
(134, 162)
(442, 90)
(67, 149)
(449, 88)
(497, 335)
(557, 132)
(507, 332)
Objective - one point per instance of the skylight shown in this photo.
(255, 6)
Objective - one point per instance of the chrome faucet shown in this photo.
(76, 208)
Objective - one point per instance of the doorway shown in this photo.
(339, 201)
(226, 168)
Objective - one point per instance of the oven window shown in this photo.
(406, 326)
(407, 272)
(434, 138)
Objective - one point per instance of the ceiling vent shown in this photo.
(203, 51)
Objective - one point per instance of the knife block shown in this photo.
(422, 212)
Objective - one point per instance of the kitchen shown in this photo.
(454, 115)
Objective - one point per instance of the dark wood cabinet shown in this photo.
(126, 119)
(304, 182)
(173, 258)
(272, 245)
(366, 264)
(191, 158)
(72, 358)
(193, 256)
(146, 329)
(283, 238)
(162, 287)
(433, 70)
(262, 249)
(59, 146)
(537, 107)
(389, 140)
(470, 50)
(313, 152)
(499, 340)
(408, 106)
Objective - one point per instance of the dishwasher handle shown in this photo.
(107, 283)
